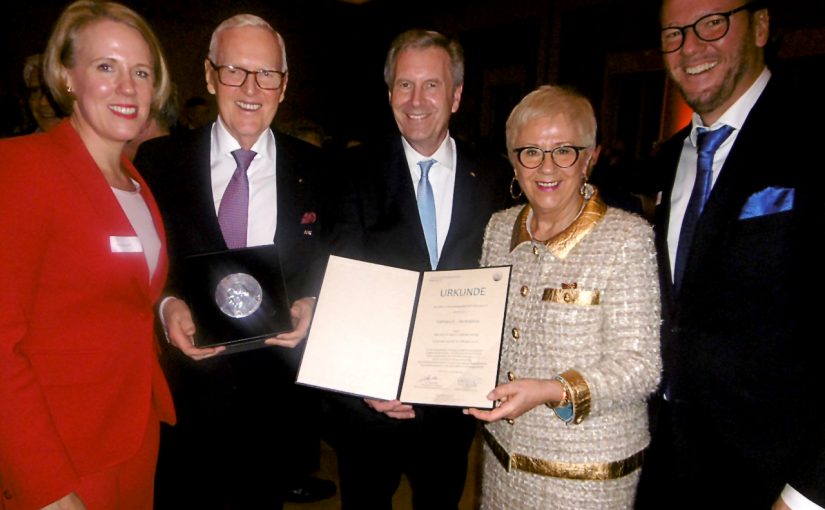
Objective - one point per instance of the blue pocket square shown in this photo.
(768, 201)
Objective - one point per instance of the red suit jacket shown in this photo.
(79, 374)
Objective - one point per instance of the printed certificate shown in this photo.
(423, 338)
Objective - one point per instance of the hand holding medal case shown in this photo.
(237, 297)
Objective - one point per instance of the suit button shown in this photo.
(516, 333)
(525, 290)
(511, 376)
(7, 494)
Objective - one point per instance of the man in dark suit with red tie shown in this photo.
(233, 184)
(420, 201)
(739, 422)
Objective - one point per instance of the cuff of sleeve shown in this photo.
(797, 501)
(578, 392)
(161, 307)
(564, 413)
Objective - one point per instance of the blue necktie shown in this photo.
(233, 213)
(426, 210)
(707, 142)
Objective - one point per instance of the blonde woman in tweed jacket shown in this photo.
(580, 352)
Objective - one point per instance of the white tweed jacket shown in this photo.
(588, 302)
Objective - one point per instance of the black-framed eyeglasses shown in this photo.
(563, 156)
(711, 27)
(234, 76)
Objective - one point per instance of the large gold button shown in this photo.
(511, 376)
(567, 297)
(516, 333)
(525, 290)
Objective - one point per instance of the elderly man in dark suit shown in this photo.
(739, 420)
(419, 201)
(232, 445)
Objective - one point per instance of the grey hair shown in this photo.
(245, 20)
(420, 40)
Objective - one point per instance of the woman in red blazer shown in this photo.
(82, 263)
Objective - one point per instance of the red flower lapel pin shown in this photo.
(309, 218)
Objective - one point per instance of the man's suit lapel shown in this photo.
(290, 192)
(669, 156)
(466, 182)
(402, 194)
(201, 200)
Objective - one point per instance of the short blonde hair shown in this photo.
(245, 20)
(60, 51)
(550, 100)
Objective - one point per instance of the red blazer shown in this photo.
(79, 373)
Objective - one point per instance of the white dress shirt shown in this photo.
(442, 179)
(263, 192)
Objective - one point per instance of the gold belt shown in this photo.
(571, 470)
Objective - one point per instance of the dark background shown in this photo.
(335, 49)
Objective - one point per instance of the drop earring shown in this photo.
(587, 190)
(512, 193)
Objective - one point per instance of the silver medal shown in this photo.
(238, 295)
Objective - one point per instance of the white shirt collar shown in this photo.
(443, 155)
(735, 115)
(223, 143)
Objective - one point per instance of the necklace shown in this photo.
(545, 241)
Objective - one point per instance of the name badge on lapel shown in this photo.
(125, 244)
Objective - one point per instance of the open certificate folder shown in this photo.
(423, 338)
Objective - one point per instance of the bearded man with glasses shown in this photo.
(738, 419)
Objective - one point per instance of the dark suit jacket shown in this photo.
(740, 359)
(375, 217)
(179, 168)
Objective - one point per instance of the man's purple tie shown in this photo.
(706, 144)
(233, 213)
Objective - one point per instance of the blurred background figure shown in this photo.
(195, 113)
(158, 124)
(43, 109)
(308, 131)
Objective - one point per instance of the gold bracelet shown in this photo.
(579, 392)
(565, 395)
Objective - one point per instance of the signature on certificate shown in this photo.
(429, 381)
